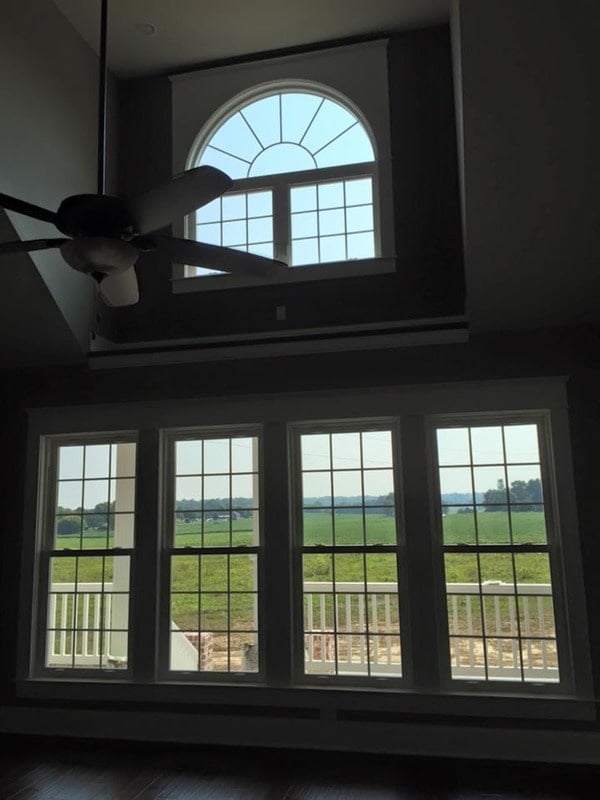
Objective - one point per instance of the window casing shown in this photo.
(353, 78)
(412, 417)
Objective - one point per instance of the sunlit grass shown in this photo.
(212, 577)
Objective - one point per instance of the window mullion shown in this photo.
(145, 567)
(281, 222)
(422, 579)
(276, 573)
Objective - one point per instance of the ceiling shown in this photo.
(189, 32)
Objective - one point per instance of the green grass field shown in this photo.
(210, 573)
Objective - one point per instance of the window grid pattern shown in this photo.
(501, 619)
(215, 556)
(89, 561)
(287, 132)
(350, 569)
(240, 220)
(332, 221)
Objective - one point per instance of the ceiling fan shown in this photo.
(104, 236)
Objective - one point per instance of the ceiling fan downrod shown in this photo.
(102, 99)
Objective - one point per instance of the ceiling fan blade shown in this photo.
(185, 251)
(120, 288)
(30, 210)
(28, 246)
(173, 200)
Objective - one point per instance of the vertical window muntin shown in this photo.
(238, 584)
(320, 654)
(525, 672)
(78, 618)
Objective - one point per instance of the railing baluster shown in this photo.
(498, 621)
(374, 629)
(470, 632)
(64, 599)
(388, 625)
(86, 618)
(362, 627)
(349, 628)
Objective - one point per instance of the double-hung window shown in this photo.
(347, 521)
(403, 546)
(87, 533)
(213, 552)
(497, 527)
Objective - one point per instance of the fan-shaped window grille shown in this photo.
(303, 166)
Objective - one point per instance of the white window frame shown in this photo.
(169, 549)
(354, 76)
(296, 431)
(425, 690)
(541, 418)
(45, 513)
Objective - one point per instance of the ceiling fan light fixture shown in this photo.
(99, 254)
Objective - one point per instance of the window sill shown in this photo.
(308, 272)
(383, 705)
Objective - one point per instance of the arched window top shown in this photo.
(287, 131)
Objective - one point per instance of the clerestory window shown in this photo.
(304, 167)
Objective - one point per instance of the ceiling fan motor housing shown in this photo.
(94, 215)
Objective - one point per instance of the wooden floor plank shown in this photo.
(35, 769)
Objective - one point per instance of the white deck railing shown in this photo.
(351, 650)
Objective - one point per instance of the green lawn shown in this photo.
(189, 573)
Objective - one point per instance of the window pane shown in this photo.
(360, 245)
(331, 195)
(332, 248)
(70, 462)
(235, 137)
(331, 222)
(304, 225)
(303, 198)
(305, 251)
(352, 147)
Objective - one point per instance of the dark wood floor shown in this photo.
(37, 769)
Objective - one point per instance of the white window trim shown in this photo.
(355, 76)
(168, 439)
(542, 419)
(301, 677)
(45, 511)
(413, 405)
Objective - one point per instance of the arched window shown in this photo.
(303, 163)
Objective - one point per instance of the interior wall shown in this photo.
(529, 82)
(426, 200)
(48, 91)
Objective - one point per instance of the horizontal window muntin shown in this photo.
(348, 572)
(499, 588)
(214, 553)
(87, 553)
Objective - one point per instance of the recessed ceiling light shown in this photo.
(145, 28)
